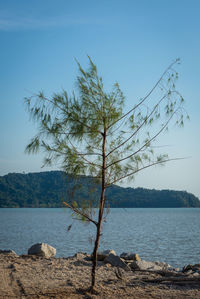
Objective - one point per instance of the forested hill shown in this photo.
(48, 189)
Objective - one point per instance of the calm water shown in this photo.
(170, 235)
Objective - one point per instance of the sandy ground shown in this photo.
(36, 277)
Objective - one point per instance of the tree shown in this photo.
(91, 133)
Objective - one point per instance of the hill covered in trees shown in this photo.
(49, 189)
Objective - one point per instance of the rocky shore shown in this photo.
(127, 276)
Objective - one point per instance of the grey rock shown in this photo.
(8, 252)
(196, 274)
(82, 256)
(175, 269)
(189, 272)
(103, 254)
(130, 256)
(188, 267)
(116, 261)
(195, 267)
(163, 265)
(42, 249)
(150, 266)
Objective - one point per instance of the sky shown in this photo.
(131, 42)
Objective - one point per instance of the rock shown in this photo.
(163, 265)
(175, 269)
(150, 266)
(196, 274)
(103, 254)
(195, 267)
(186, 268)
(82, 256)
(42, 249)
(189, 272)
(130, 256)
(8, 252)
(116, 261)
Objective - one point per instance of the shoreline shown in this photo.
(30, 276)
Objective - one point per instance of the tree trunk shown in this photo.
(101, 210)
(98, 235)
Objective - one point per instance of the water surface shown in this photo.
(170, 235)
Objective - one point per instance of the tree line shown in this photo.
(50, 189)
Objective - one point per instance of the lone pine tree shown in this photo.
(91, 132)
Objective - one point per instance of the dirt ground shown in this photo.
(35, 277)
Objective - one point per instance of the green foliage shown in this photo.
(68, 124)
(71, 128)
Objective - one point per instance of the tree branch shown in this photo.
(77, 211)
(139, 169)
(66, 112)
(146, 143)
(142, 124)
(150, 92)
(82, 155)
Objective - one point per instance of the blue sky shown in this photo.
(130, 41)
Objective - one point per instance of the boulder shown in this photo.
(116, 261)
(130, 256)
(8, 252)
(42, 249)
(194, 268)
(103, 254)
(82, 256)
(196, 274)
(150, 266)
(163, 265)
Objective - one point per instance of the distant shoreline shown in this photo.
(49, 189)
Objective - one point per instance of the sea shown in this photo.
(169, 235)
